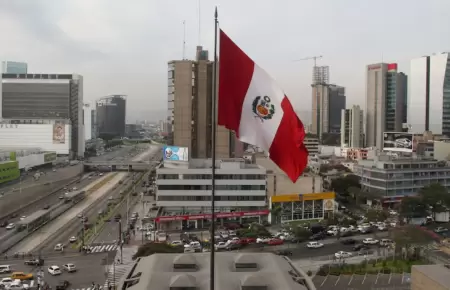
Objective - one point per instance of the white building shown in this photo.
(52, 136)
(428, 92)
(352, 127)
(312, 144)
(184, 191)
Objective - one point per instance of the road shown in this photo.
(91, 268)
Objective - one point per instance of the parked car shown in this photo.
(314, 245)
(342, 254)
(348, 242)
(284, 253)
(370, 241)
(360, 247)
(275, 242)
(34, 262)
(439, 230)
(318, 236)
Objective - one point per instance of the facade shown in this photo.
(396, 177)
(94, 129)
(184, 190)
(111, 116)
(48, 99)
(303, 206)
(53, 137)
(426, 277)
(352, 127)
(14, 67)
(9, 170)
(312, 144)
(385, 94)
(357, 153)
(234, 271)
(27, 157)
(327, 103)
(429, 94)
(189, 108)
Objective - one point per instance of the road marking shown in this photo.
(390, 277)
(337, 281)
(378, 275)
(324, 280)
(403, 277)
(351, 279)
(365, 276)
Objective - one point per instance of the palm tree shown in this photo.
(276, 212)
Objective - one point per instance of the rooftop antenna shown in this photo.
(199, 23)
(184, 39)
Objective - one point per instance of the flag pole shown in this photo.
(213, 155)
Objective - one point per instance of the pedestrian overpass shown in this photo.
(120, 165)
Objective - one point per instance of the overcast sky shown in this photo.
(122, 47)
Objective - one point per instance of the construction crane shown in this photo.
(315, 58)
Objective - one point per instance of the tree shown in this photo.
(276, 213)
(342, 184)
(374, 215)
(154, 248)
(435, 196)
(411, 207)
(301, 233)
(409, 239)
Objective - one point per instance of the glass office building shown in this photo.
(13, 67)
(429, 94)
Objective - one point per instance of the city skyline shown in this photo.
(130, 55)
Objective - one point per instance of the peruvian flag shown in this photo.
(256, 108)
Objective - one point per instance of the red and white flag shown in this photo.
(256, 108)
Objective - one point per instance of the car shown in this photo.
(54, 170)
(342, 254)
(176, 243)
(275, 242)
(62, 285)
(189, 250)
(314, 245)
(233, 247)
(34, 262)
(5, 282)
(17, 285)
(386, 242)
(318, 236)
(22, 276)
(69, 268)
(54, 270)
(439, 230)
(370, 241)
(284, 253)
(221, 246)
(61, 197)
(359, 247)
(72, 239)
(3, 224)
(59, 247)
(348, 242)
(10, 226)
(262, 240)
(46, 207)
(74, 188)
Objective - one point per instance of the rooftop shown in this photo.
(234, 271)
(438, 273)
(231, 163)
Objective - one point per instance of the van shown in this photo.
(5, 269)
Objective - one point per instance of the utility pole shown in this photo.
(120, 240)
(82, 233)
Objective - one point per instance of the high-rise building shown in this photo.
(46, 98)
(385, 95)
(429, 94)
(13, 67)
(190, 92)
(94, 130)
(111, 116)
(352, 127)
(327, 102)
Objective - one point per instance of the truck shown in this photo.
(442, 217)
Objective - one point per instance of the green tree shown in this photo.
(436, 196)
(342, 184)
(154, 248)
(411, 207)
(374, 215)
(301, 233)
(408, 240)
(276, 213)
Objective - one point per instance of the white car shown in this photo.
(54, 270)
(73, 239)
(22, 218)
(221, 245)
(189, 250)
(262, 240)
(70, 268)
(176, 243)
(59, 247)
(10, 226)
(342, 254)
(75, 188)
(6, 282)
(370, 241)
(17, 285)
(314, 245)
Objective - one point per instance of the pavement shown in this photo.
(42, 235)
(363, 282)
(91, 268)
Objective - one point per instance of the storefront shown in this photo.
(198, 221)
(302, 206)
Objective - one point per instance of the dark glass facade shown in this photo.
(111, 116)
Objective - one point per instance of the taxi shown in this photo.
(22, 276)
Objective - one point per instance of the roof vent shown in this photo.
(185, 262)
(245, 261)
(254, 282)
(183, 282)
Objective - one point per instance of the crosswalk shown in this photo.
(116, 271)
(101, 248)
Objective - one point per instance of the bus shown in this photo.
(74, 196)
(34, 221)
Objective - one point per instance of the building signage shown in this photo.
(59, 133)
(106, 102)
(398, 141)
(9, 126)
(302, 197)
(374, 67)
(208, 216)
(175, 153)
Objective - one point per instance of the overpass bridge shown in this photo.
(121, 165)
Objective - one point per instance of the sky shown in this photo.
(122, 47)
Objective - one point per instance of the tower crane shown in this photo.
(315, 58)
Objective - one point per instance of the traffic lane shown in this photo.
(90, 268)
(74, 227)
(49, 200)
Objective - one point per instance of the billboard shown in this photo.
(398, 141)
(175, 153)
(59, 133)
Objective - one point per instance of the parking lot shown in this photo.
(366, 282)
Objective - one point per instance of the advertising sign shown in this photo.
(398, 141)
(59, 133)
(208, 216)
(49, 157)
(175, 153)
